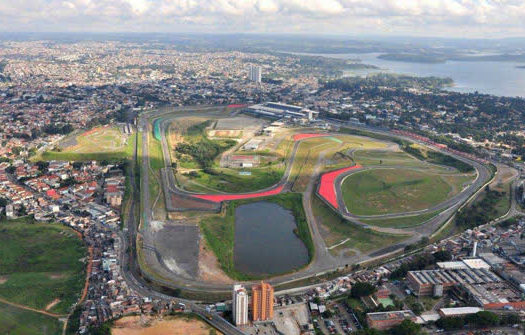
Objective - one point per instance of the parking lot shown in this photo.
(341, 321)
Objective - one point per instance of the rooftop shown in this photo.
(394, 315)
(459, 311)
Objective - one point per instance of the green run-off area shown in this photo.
(381, 191)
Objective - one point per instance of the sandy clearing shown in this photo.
(209, 268)
(137, 325)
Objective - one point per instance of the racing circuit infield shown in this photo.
(327, 189)
(323, 260)
(174, 196)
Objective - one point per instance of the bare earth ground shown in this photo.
(137, 325)
(52, 304)
(178, 245)
(209, 268)
(3, 279)
(505, 175)
(239, 123)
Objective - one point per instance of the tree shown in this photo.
(104, 329)
(362, 289)
(417, 308)
(451, 323)
(483, 319)
(442, 256)
(510, 319)
(42, 165)
(406, 327)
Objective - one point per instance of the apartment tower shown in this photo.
(255, 73)
(240, 305)
(262, 302)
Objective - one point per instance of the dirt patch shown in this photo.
(3, 279)
(224, 133)
(177, 245)
(209, 268)
(57, 275)
(504, 176)
(52, 304)
(141, 325)
(179, 202)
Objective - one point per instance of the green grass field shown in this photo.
(309, 150)
(41, 263)
(17, 321)
(101, 139)
(229, 180)
(403, 222)
(101, 144)
(338, 230)
(305, 159)
(381, 191)
(219, 230)
(213, 178)
(156, 163)
(394, 158)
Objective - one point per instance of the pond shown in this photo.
(265, 242)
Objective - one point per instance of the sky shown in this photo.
(442, 18)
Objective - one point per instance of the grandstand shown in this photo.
(279, 110)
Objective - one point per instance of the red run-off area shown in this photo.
(327, 186)
(298, 137)
(226, 197)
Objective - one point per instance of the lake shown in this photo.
(265, 243)
(498, 78)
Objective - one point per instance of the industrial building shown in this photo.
(240, 305)
(279, 110)
(262, 302)
(471, 278)
(435, 282)
(387, 320)
(497, 295)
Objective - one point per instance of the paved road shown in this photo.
(482, 177)
(130, 268)
(171, 186)
(322, 263)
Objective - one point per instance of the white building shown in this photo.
(10, 211)
(279, 110)
(255, 73)
(240, 305)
